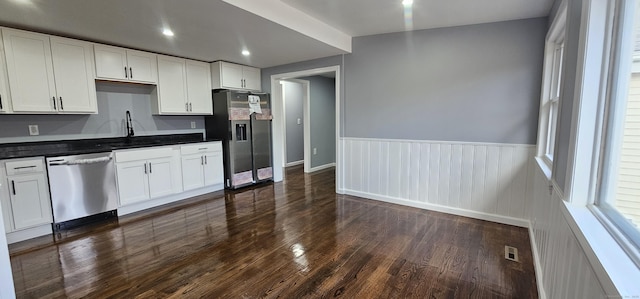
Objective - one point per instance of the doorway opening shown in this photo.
(321, 140)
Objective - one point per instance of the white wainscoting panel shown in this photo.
(485, 181)
(562, 268)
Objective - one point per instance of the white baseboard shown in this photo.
(148, 204)
(295, 163)
(536, 263)
(321, 167)
(443, 209)
(29, 233)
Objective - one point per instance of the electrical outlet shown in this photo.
(315, 150)
(193, 124)
(299, 121)
(33, 130)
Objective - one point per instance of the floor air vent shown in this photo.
(511, 253)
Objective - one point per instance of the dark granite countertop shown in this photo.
(87, 146)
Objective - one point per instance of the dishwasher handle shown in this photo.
(80, 161)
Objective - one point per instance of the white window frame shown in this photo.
(615, 83)
(550, 94)
(614, 266)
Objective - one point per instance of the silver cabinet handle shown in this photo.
(130, 73)
(150, 170)
(54, 104)
(205, 160)
(201, 160)
(186, 107)
(190, 107)
(61, 105)
(1, 102)
(126, 75)
(145, 168)
(13, 185)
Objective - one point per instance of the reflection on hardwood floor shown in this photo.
(293, 239)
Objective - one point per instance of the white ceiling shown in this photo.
(366, 17)
(285, 31)
(206, 30)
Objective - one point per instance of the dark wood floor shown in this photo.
(293, 239)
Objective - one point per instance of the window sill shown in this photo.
(544, 167)
(617, 273)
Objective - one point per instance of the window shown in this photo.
(553, 100)
(550, 100)
(618, 193)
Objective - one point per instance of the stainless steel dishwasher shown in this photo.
(81, 186)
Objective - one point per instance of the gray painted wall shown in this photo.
(113, 100)
(293, 99)
(569, 67)
(322, 102)
(477, 83)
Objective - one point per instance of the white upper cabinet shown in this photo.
(5, 99)
(251, 77)
(30, 69)
(234, 76)
(74, 75)
(172, 85)
(184, 87)
(49, 74)
(143, 67)
(199, 87)
(120, 64)
(230, 75)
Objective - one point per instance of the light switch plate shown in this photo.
(299, 121)
(33, 130)
(193, 124)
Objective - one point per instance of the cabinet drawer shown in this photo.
(143, 154)
(205, 147)
(24, 166)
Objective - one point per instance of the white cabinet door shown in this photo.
(251, 78)
(30, 70)
(143, 66)
(160, 177)
(74, 75)
(133, 182)
(172, 79)
(231, 75)
(213, 171)
(199, 87)
(111, 62)
(29, 201)
(6, 205)
(120, 64)
(5, 100)
(192, 176)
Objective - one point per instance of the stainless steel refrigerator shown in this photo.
(242, 120)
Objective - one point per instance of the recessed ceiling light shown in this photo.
(407, 2)
(246, 52)
(167, 32)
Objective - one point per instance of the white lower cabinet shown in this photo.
(201, 165)
(24, 194)
(133, 182)
(146, 174)
(29, 201)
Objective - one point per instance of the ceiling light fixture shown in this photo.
(407, 2)
(246, 52)
(167, 32)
